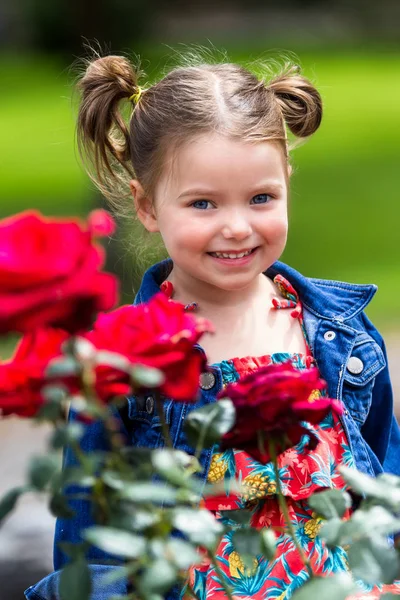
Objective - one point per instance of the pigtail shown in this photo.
(102, 132)
(299, 101)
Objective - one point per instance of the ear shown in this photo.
(143, 206)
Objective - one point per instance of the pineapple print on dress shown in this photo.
(260, 482)
(312, 527)
(237, 567)
(257, 486)
(222, 467)
(218, 468)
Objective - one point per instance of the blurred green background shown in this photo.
(344, 206)
(344, 200)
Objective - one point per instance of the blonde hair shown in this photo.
(195, 98)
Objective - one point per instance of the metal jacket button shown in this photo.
(207, 380)
(149, 404)
(329, 335)
(355, 365)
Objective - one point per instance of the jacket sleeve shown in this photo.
(381, 430)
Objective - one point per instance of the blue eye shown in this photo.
(262, 199)
(201, 204)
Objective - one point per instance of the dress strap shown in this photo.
(290, 299)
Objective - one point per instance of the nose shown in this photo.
(236, 226)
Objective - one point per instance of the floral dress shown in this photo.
(302, 472)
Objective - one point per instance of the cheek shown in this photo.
(275, 228)
(192, 237)
(182, 233)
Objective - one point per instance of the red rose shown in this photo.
(50, 274)
(23, 377)
(275, 400)
(100, 223)
(157, 334)
(111, 383)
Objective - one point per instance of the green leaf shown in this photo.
(113, 359)
(146, 376)
(206, 425)
(62, 367)
(378, 489)
(115, 541)
(372, 560)
(187, 461)
(75, 582)
(77, 476)
(84, 349)
(200, 526)
(247, 541)
(241, 517)
(9, 500)
(159, 577)
(55, 394)
(389, 479)
(167, 465)
(142, 519)
(268, 543)
(115, 575)
(62, 436)
(336, 587)
(52, 409)
(73, 550)
(181, 553)
(42, 469)
(59, 507)
(149, 492)
(330, 532)
(363, 523)
(113, 479)
(330, 503)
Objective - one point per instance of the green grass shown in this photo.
(344, 209)
(38, 161)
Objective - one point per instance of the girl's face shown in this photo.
(221, 209)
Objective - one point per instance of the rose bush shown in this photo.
(50, 274)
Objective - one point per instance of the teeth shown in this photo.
(230, 254)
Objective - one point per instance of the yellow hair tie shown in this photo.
(137, 95)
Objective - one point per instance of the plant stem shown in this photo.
(83, 460)
(285, 511)
(200, 442)
(164, 424)
(227, 589)
(88, 380)
(191, 591)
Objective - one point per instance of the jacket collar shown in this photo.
(325, 298)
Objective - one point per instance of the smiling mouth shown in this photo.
(232, 255)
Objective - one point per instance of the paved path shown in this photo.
(26, 537)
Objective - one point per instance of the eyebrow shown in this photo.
(198, 192)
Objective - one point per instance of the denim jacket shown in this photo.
(351, 357)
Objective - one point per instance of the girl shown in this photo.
(206, 159)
